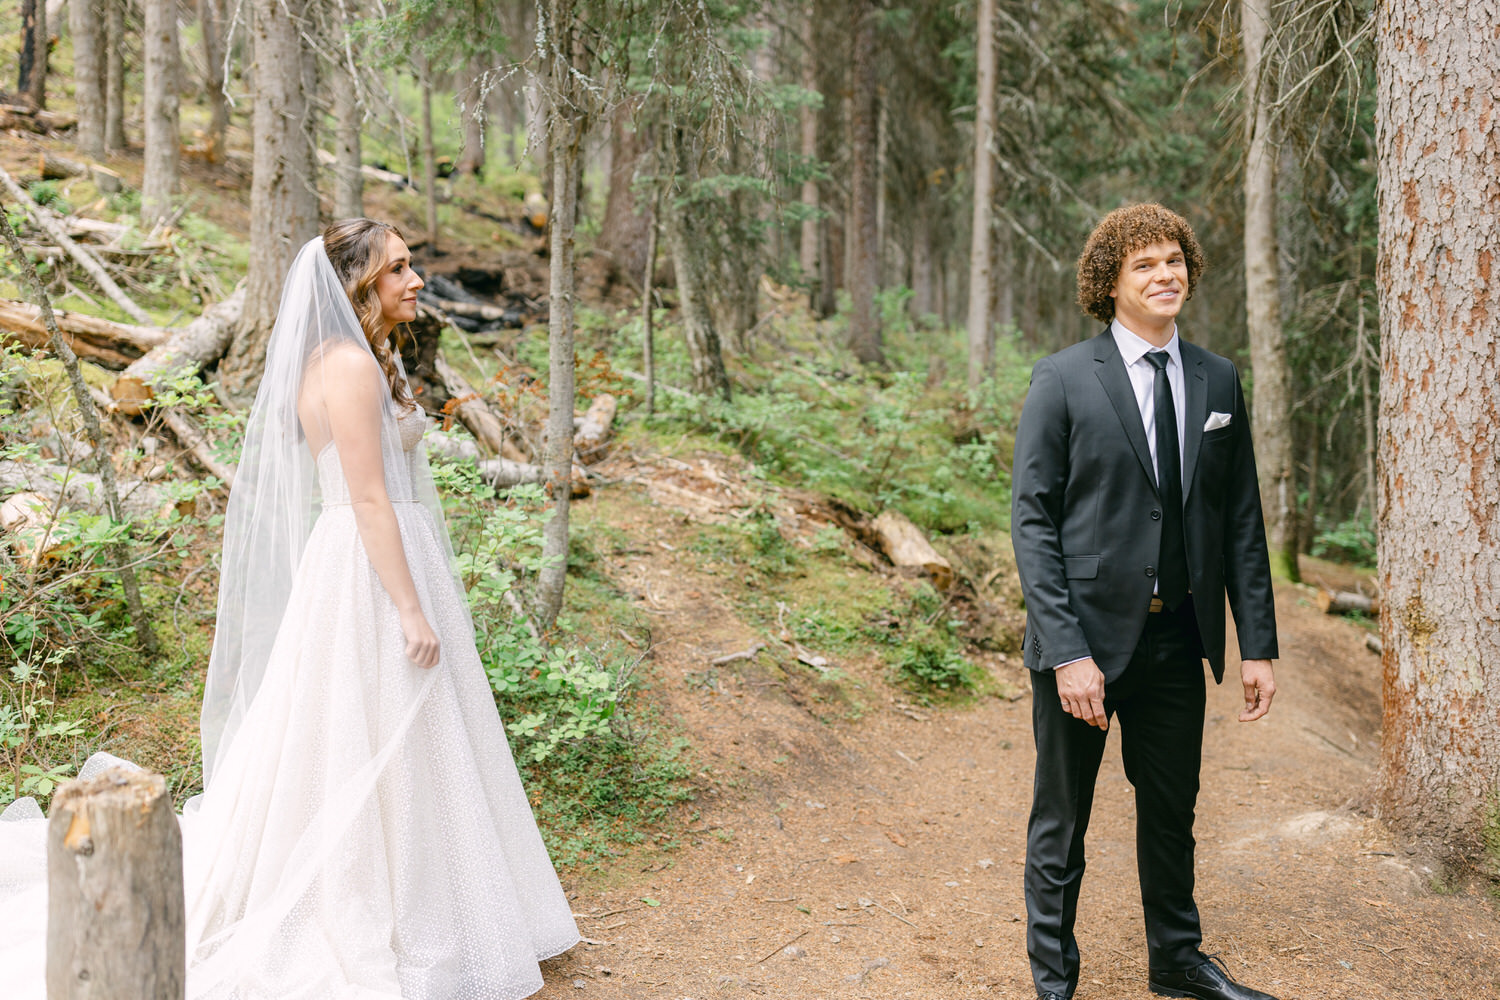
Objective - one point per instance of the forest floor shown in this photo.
(851, 842)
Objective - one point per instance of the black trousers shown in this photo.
(1159, 704)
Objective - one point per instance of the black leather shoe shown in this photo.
(1208, 981)
(1050, 996)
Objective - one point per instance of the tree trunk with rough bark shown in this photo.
(564, 135)
(1271, 404)
(283, 190)
(161, 108)
(1439, 550)
(85, 24)
(211, 24)
(114, 76)
(981, 332)
(475, 114)
(624, 232)
(32, 71)
(810, 237)
(429, 162)
(864, 257)
(348, 159)
(704, 349)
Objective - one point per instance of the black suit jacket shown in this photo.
(1086, 515)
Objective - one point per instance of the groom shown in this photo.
(1136, 509)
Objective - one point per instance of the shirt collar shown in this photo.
(1133, 348)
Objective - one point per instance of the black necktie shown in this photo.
(1171, 569)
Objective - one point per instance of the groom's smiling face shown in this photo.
(397, 285)
(1151, 288)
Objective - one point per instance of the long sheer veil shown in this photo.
(276, 499)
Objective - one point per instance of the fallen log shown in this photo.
(27, 518)
(470, 408)
(51, 226)
(593, 432)
(1343, 603)
(471, 310)
(113, 344)
(84, 490)
(40, 122)
(501, 473)
(905, 545)
(190, 348)
(116, 913)
(1372, 643)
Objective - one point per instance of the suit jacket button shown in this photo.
(1156, 515)
(1150, 570)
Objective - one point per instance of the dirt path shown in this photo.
(880, 856)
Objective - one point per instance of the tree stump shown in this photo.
(115, 910)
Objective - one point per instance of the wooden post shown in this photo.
(115, 909)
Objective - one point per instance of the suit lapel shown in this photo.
(1196, 391)
(1110, 368)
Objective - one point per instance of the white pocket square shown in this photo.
(1215, 421)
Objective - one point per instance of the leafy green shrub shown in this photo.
(1351, 541)
(928, 662)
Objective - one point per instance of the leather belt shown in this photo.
(1157, 607)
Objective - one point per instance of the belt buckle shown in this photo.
(1156, 605)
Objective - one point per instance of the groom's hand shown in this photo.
(1260, 688)
(1080, 686)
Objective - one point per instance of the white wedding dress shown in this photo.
(365, 836)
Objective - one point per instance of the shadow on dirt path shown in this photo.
(880, 855)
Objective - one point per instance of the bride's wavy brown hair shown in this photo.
(356, 248)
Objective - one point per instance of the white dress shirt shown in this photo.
(1143, 380)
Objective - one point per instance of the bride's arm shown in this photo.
(354, 393)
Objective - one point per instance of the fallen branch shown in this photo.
(84, 491)
(744, 654)
(197, 445)
(1343, 603)
(471, 409)
(189, 348)
(119, 551)
(114, 344)
(775, 951)
(593, 432)
(471, 310)
(498, 472)
(86, 260)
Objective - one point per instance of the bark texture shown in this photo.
(348, 158)
(864, 241)
(211, 24)
(810, 236)
(116, 917)
(1271, 405)
(161, 108)
(981, 331)
(114, 76)
(1438, 139)
(283, 192)
(475, 114)
(85, 24)
(704, 348)
(624, 232)
(32, 75)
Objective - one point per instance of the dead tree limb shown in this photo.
(1343, 603)
(471, 409)
(191, 348)
(119, 552)
(85, 260)
(197, 445)
(593, 431)
(115, 345)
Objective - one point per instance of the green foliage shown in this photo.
(928, 662)
(596, 776)
(1351, 541)
(32, 733)
(49, 195)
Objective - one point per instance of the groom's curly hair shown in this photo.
(1117, 236)
(356, 249)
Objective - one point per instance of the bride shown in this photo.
(363, 832)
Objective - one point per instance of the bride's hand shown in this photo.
(422, 645)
